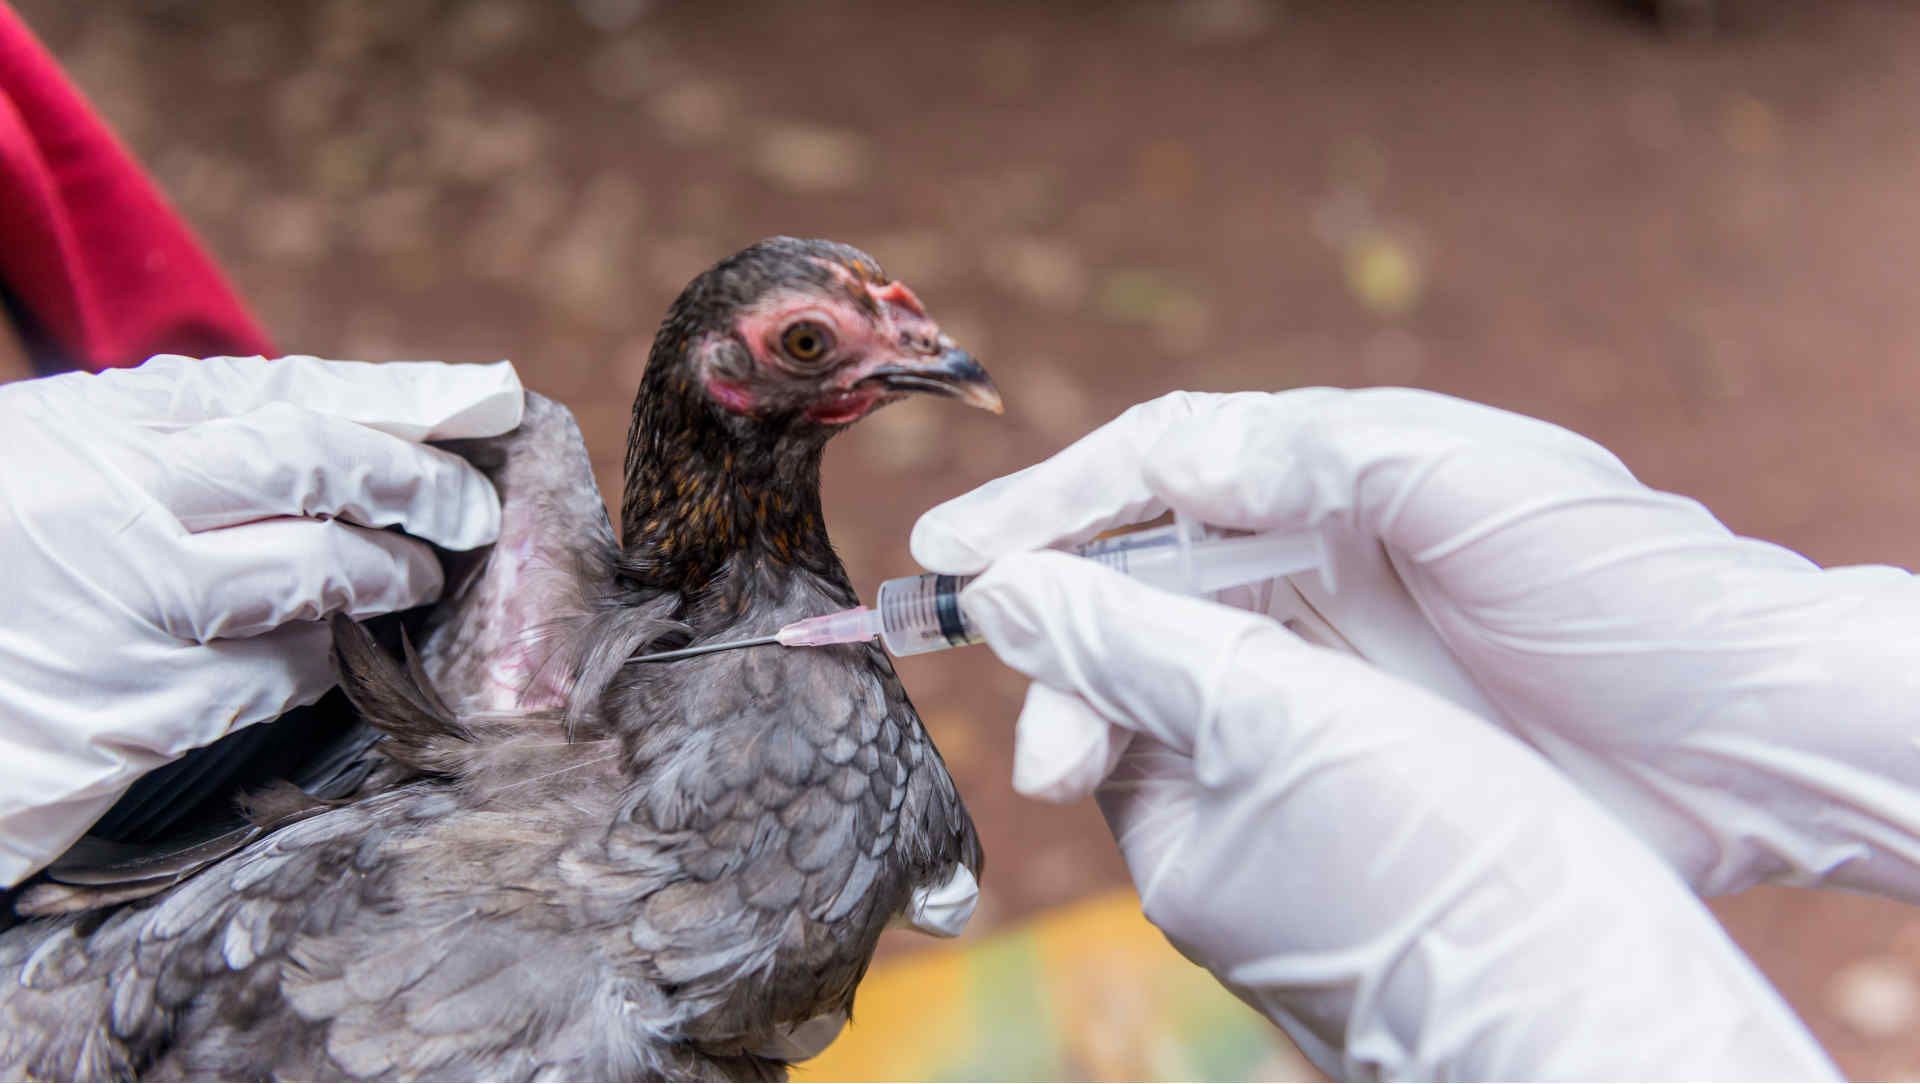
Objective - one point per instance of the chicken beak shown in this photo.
(952, 373)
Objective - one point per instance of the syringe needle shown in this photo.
(704, 649)
(845, 627)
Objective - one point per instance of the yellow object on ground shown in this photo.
(1089, 992)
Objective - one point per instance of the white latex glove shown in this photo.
(1407, 890)
(1750, 715)
(168, 539)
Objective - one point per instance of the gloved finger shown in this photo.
(55, 781)
(1062, 748)
(285, 460)
(412, 400)
(1092, 485)
(1282, 463)
(237, 682)
(241, 581)
(1139, 657)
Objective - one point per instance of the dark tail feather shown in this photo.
(419, 729)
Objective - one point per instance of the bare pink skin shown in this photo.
(731, 394)
(864, 341)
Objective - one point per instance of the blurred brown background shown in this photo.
(1694, 239)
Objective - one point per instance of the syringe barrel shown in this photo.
(922, 613)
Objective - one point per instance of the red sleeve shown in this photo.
(95, 267)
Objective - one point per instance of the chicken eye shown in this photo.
(806, 341)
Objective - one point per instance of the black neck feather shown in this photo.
(707, 491)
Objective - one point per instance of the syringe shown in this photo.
(916, 614)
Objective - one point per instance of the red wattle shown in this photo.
(843, 409)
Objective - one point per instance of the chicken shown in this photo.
(555, 861)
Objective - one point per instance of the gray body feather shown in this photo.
(560, 866)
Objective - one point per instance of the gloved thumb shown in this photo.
(1413, 468)
(1139, 657)
(1234, 466)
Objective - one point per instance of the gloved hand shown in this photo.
(174, 537)
(1407, 890)
(1279, 807)
(1748, 714)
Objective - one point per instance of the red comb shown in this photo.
(896, 293)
